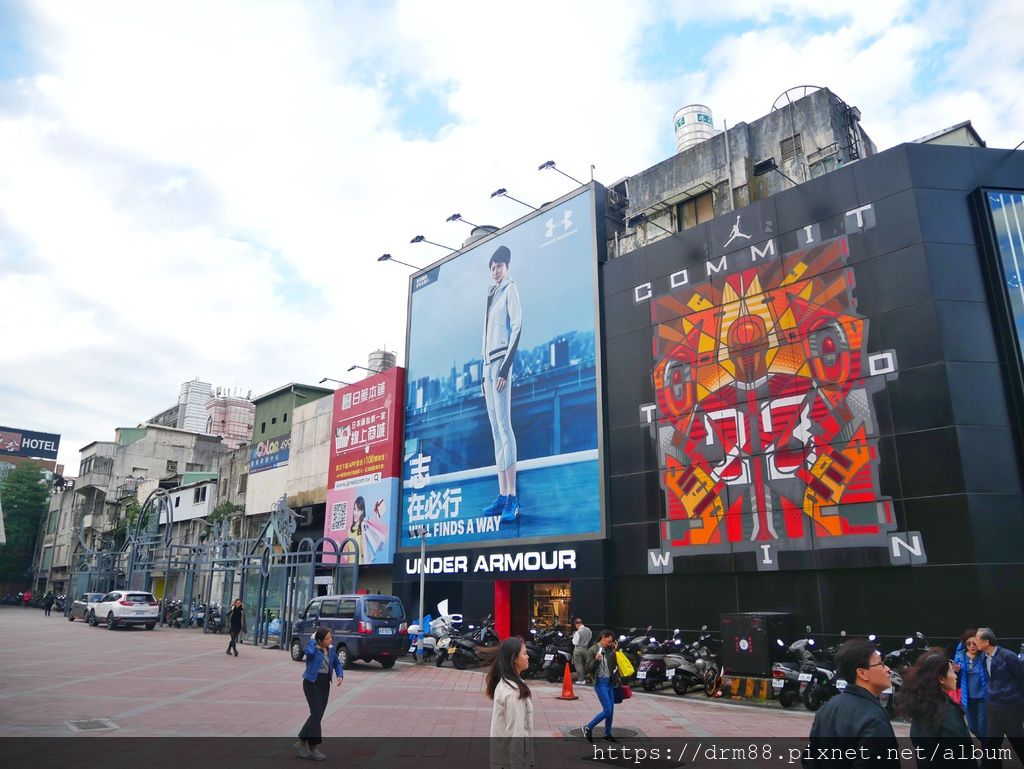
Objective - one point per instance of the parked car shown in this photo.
(366, 627)
(82, 604)
(123, 608)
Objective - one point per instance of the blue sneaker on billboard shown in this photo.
(497, 506)
(511, 510)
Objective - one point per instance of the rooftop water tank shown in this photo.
(381, 360)
(693, 125)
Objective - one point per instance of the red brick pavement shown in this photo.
(169, 682)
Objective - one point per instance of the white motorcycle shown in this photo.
(437, 639)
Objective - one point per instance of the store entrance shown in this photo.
(546, 604)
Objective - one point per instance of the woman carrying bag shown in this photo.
(604, 669)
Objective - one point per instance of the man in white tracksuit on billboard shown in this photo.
(503, 324)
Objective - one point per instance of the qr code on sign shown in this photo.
(339, 512)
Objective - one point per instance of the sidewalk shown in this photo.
(168, 682)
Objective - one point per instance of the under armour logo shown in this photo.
(552, 223)
(735, 233)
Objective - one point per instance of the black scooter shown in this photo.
(478, 646)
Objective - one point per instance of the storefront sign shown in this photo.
(497, 563)
(269, 454)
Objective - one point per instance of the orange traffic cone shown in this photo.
(567, 692)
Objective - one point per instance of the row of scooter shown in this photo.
(810, 674)
(673, 661)
(175, 616)
(445, 640)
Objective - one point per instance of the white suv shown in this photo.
(125, 608)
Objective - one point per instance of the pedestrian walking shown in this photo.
(604, 668)
(512, 715)
(321, 662)
(26, 597)
(580, 644)
(48, 600)
(1004, 705)
(236, 625)
(973, 681)
(855, 718)
(938, 726)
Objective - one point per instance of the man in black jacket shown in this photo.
(1004, 706)
(853, 729)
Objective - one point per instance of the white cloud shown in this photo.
(196, 189)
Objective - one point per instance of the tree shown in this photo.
(25, 499)
(126, 526)
(223, 510)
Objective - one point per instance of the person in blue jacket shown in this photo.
(973, 681)
(321, 661)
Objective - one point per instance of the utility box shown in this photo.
(749, 641)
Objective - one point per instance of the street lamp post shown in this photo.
(421, 532)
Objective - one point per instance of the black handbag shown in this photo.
(617, 694)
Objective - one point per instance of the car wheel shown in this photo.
(459, 661)
(150, 625)
(788, 698)
(387, 663)
(111, 622)
(90, 620)
(297, 651)
(344, 657)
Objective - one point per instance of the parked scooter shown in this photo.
(440, 627)
(634, 646)
(537, 649)
(790, 679)
(478, 646)
(825, 683)
(662, 661)
(700, 667)
(899, 661)
(557, 651)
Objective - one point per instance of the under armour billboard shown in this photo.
(502, 413)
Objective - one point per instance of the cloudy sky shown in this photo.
(201, 189)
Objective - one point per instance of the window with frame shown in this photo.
(199, 495)
(329, 610)
(263, 427)
(694, 211)
(347, 608)
(285, 417)
(172, 465)
(243, 482)
(790, 147)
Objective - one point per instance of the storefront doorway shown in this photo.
(545, 604)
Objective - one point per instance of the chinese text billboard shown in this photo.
(501, 401)
(362, 474)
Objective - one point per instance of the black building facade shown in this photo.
(810, 405)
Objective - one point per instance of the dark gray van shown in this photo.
(366, 627)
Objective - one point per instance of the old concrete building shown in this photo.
(808, 133)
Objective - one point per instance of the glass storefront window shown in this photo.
(549, 603)
(1007, 211)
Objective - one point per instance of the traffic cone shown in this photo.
(567, 692)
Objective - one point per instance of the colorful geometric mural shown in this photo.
(765, 419)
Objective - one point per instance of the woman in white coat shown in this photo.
(512, 716)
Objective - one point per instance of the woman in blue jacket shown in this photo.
(973, 682)
(321, 661)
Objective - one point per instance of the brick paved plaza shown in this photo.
(170, 682)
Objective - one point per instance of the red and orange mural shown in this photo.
(765, 419)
